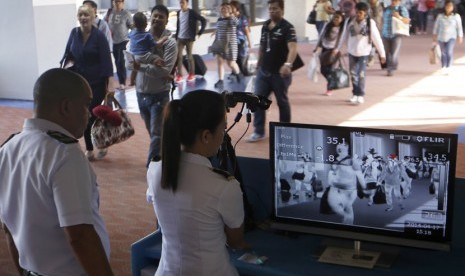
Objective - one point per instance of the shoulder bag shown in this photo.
(311, 18)
(104, 134)
(399, 27)
(338, 78)
(298, 63)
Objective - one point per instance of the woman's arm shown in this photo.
(235, 238)
(459, 28)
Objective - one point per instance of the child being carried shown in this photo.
(141, 45)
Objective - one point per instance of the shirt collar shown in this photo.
(44, 125)
(196, 159)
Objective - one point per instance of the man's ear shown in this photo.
(65, 107)
(205, 136)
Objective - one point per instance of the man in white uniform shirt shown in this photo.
(48, 191)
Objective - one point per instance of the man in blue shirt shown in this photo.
(392, 41)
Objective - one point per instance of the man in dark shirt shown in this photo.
(278, 49)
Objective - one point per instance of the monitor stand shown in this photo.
(354, 256)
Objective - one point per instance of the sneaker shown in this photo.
(353, 99)
(191, 77)
(389, 209)
(178, 78)
(219, 84)
(445, 71)
(235, 77)
(90, 155)
(102, 153)
(255, 137)
(329, 93)
(360, 100)
(389, 73)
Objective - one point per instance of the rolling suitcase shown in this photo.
(200, 68)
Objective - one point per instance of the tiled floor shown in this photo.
(415, 98)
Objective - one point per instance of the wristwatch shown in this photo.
(288, 64)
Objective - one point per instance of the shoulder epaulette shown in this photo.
(225, 174)
(9, 138)
(61, 137)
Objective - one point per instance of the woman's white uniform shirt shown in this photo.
(192, 219)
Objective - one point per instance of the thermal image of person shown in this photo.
(392, 178)
(342, 179)
(435, 180)
(371, 171)
(408, 173)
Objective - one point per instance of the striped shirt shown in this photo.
(226, 29)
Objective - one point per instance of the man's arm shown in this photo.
(12, 248)
(286, 68)
(106, 31)
(88, 249)
(203, 22)
(169, 56)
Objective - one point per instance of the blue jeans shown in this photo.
(392, 48)
(151, 110)
(447, 52)
(119, 61)
(358, 68)
(319, 26)
(422, 21)
(265, 83)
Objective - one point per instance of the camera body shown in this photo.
(253, 101)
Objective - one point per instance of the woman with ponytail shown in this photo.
(199, 208)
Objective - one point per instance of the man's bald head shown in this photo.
(63, 97)
(55, 85)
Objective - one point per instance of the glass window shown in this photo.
(210, 9)
(261, 10)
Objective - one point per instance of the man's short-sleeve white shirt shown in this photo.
(45, 185)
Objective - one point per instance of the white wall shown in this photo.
(34, 34)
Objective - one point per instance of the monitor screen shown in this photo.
(380, 185)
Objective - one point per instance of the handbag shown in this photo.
(317, 185)
(311, 18)
(434, 54)
(338, 78)
(380, 195)
(327, 57)
(104, 134)
(298, 63)
(325, 208)
(313, 68)
(219, 47)
(399, 27)
(432, 189)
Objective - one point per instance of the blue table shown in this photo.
(295, 255)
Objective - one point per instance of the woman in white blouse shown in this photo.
(447, 29)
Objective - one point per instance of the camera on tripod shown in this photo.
(253, 101)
